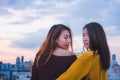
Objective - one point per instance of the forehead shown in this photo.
(85, 30)
(65, 33)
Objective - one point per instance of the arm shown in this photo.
(79, 68)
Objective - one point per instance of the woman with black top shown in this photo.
(54, 56)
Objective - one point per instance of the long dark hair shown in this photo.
(49, 45)
(98, 42)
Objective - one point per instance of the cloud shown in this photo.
(74, 10)
(16, 4)
(112, 30)
(31, 40)
(4, 12)
(23, 21)
(118, 1)
(9, 54)
(114, 46)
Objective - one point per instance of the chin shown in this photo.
(66, 48)
(86, 47)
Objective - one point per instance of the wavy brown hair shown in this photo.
(98, 42)
(49, 45)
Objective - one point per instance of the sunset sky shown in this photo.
(24, 24)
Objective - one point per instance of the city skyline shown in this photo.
(22, 69)
(24, 24)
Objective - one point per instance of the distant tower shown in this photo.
(114, 57)
(114, 62)
(22, 59)
(18, 60)
(0, 62)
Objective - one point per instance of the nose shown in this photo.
(85, 38)
(68, 40)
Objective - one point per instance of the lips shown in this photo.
(67, 46)
(85, 44)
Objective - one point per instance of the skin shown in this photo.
(86, 39)
(64, 40)
(63, 43)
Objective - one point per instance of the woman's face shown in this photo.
(86, 39)
(64, 40)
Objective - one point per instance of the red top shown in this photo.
(53, 68)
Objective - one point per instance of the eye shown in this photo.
(83, 35)
(65, 37)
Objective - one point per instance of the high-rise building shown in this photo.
(114, 71)
(18, 60)
(22, 59)
(18, 71)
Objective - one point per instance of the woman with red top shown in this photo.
(54, 56)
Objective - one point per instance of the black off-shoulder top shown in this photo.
(53, 68)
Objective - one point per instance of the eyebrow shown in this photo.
(67, 35)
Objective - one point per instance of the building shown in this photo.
(22, 70)
(3, 76)
(114, 71)
(21, 75)
(19, 71)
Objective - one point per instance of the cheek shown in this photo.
(59, 42)
(83, 39)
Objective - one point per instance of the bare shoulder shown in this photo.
(63, 52)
